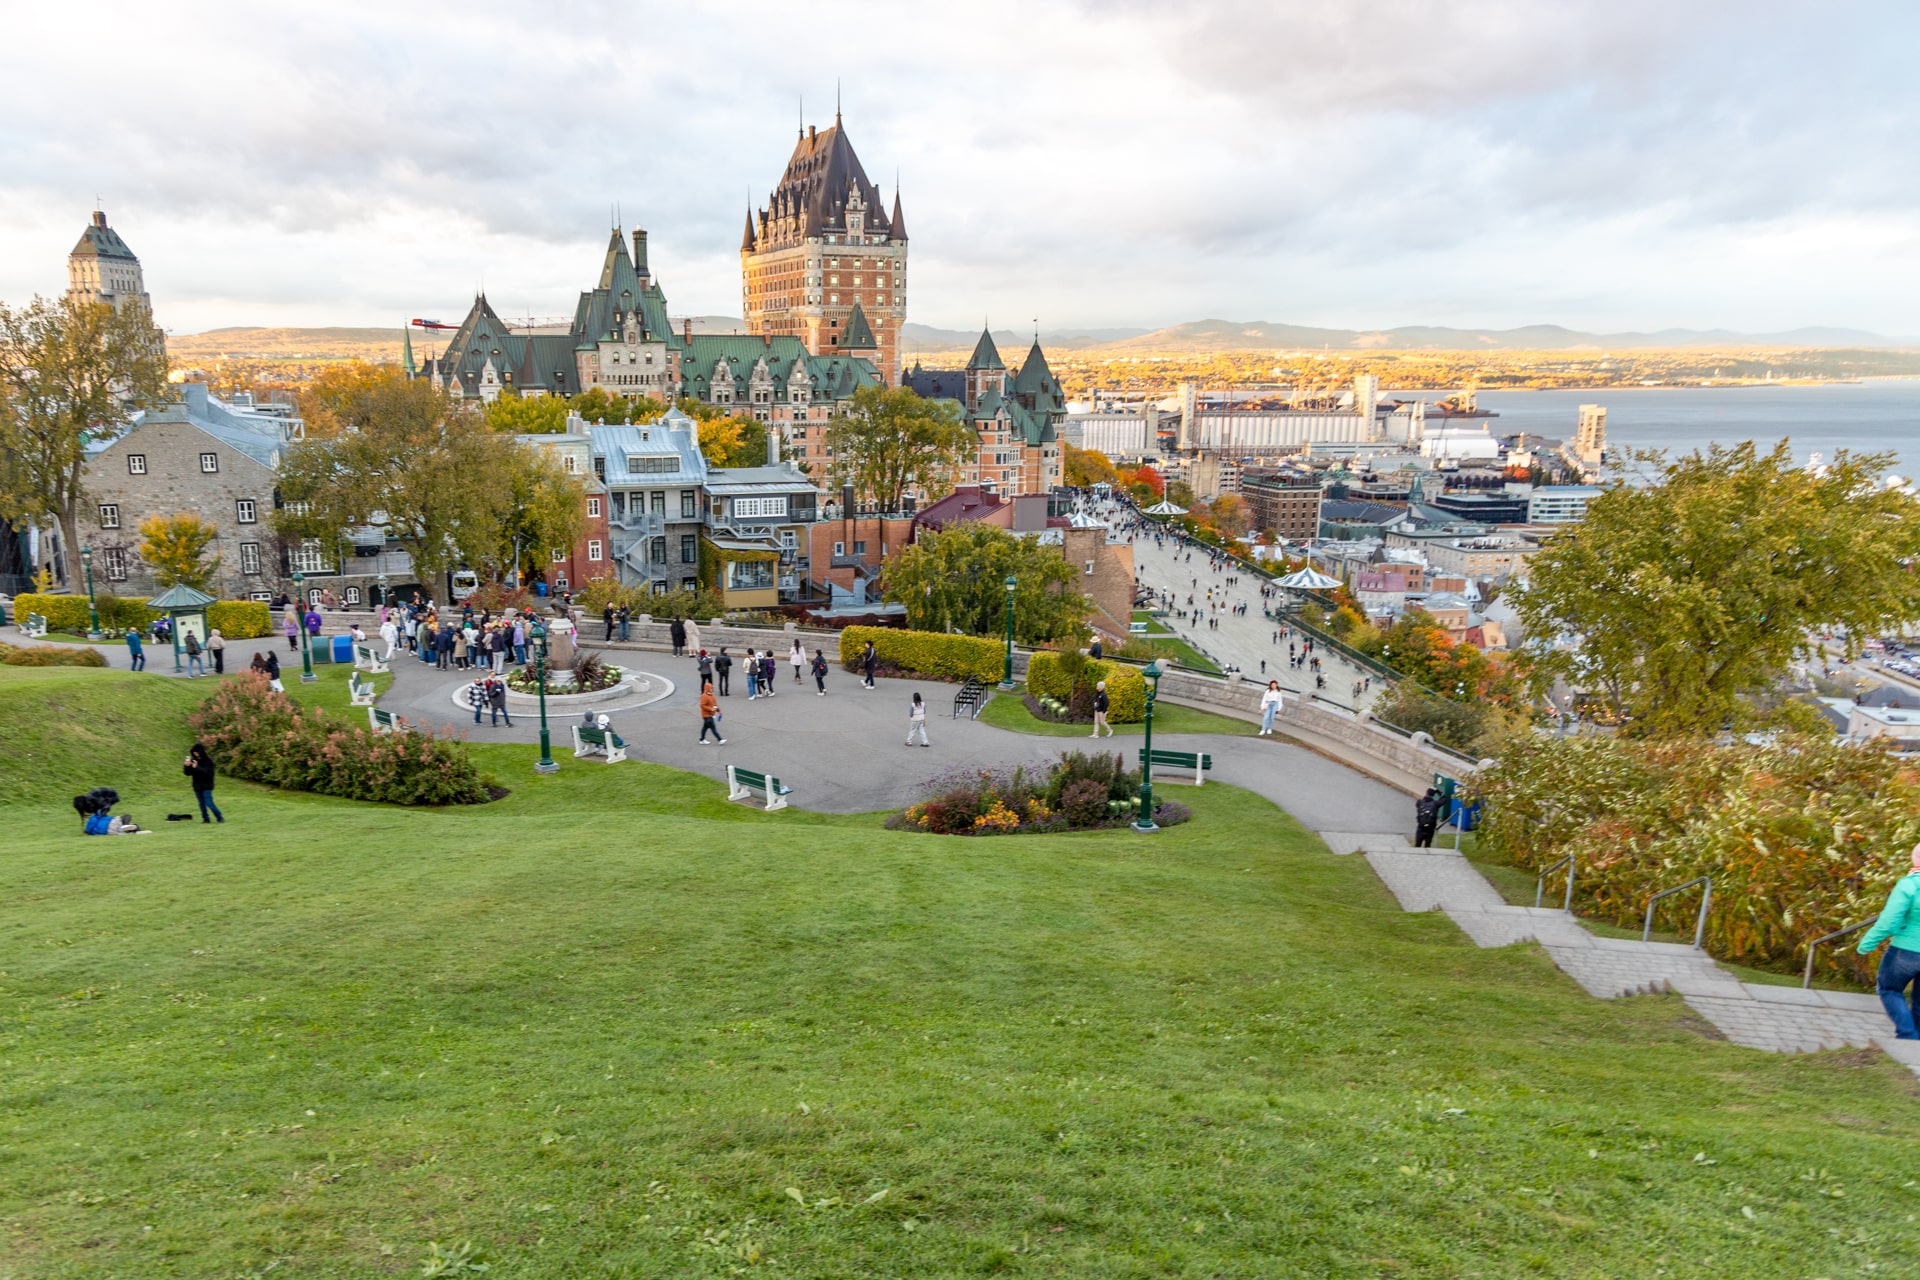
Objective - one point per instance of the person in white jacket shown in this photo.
(390, 634)
(1269, 708)
(917, 721)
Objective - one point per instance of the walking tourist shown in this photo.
(751, 665)
(722, 668)
(917, 720)
(217, 646)
(497, 701)
(1100, 707)
(709, 715)
(477, 696)
(134, 649)
(869, 660)
(195, 667)
(199, 767)
(1899, 927)
(798, 657)
(820, 672)
(1269, 708)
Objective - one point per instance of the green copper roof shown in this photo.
(985, 354)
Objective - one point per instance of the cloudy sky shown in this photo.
(1607, 165)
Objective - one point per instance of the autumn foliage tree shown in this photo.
(889, 439)
(955, 579)
(175, 548)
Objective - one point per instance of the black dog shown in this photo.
(98, 800)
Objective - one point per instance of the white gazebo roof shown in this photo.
(1308, 579)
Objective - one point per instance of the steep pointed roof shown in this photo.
(897, 225)
(821, 173)
(746, 241)
(858, 335)
(1035, 387)
(985, 354)
(617, 264)
(406, 349)
(101, 241)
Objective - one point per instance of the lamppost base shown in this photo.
(1146, 828)
(307, 677)
(1007, 686)
(547, 766)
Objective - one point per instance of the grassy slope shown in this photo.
(602, 1026)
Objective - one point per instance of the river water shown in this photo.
(1880, 415)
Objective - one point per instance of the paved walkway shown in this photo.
(1246, 641)
(1777, 1019)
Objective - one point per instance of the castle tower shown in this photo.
(823, 246)
(102, 269)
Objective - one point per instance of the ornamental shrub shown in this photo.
(240, 619)
(124, 613)
(926, 653)
(51, 656)
(1802, 836)
(1126, 688)
(263, 736)
(63, 613)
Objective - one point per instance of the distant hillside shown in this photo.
(1230, 335)
(244, 343)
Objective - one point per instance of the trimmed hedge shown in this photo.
(240, 619)
(926, 653)
(235, 619)
(63, 613)
(1048, 677)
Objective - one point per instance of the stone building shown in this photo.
(204, 457)
(823, 247)
(1014, 416)
(102, 269)
(654, 476)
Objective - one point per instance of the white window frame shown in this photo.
(249, 557)
(109, 515)
(115, 558)
(246, 511)
(760, 508)
(559, 555)
(593, 549)
(136, 464)
(209, 464)
(593, 508)
(310, 557)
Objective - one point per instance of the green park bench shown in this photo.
(604, 743)
(386, 722)
(360, 691)
(365, 659)
(742, 783)
(1198, 761)
(35, 625)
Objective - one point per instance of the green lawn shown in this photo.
(68, 637)
(1008, 711)
(613, 1026)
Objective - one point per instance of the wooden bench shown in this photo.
(972, 697)
(360, 691)
(742, 783)
(1198, 761)
(35, 625)
(365, 659)
(604, 743)
(386, 722)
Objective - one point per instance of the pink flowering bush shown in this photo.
(263, 736)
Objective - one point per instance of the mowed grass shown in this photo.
(1008, 711)
(613, 1026)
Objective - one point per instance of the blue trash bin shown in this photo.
(343, 649)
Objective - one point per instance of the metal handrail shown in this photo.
(1540, 886)
(1706, 898)
(1813, 946)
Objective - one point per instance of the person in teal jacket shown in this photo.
(1899, 927)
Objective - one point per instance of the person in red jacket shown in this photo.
(709, 714)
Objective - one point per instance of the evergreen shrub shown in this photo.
(926, 653)
(1060, 675)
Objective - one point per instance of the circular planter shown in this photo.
(634, 689)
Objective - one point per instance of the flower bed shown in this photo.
(590, 673)
(1083, 792)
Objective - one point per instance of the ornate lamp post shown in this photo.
(546, 764)
(93, 612)
(1006, 678)
(380, 585)
(1145, 822)
(300, 621)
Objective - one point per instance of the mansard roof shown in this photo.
(101, 241)
(812, 194)
(529, 362)
(833, 377)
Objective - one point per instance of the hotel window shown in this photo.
(209, 463)
(244, 512)
(116, 558)
(593, 508)
(136, 464)
(689, 505)
(249, 557)
(593, 548)
(109, 515)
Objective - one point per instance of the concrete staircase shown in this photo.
(1777, 1019)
